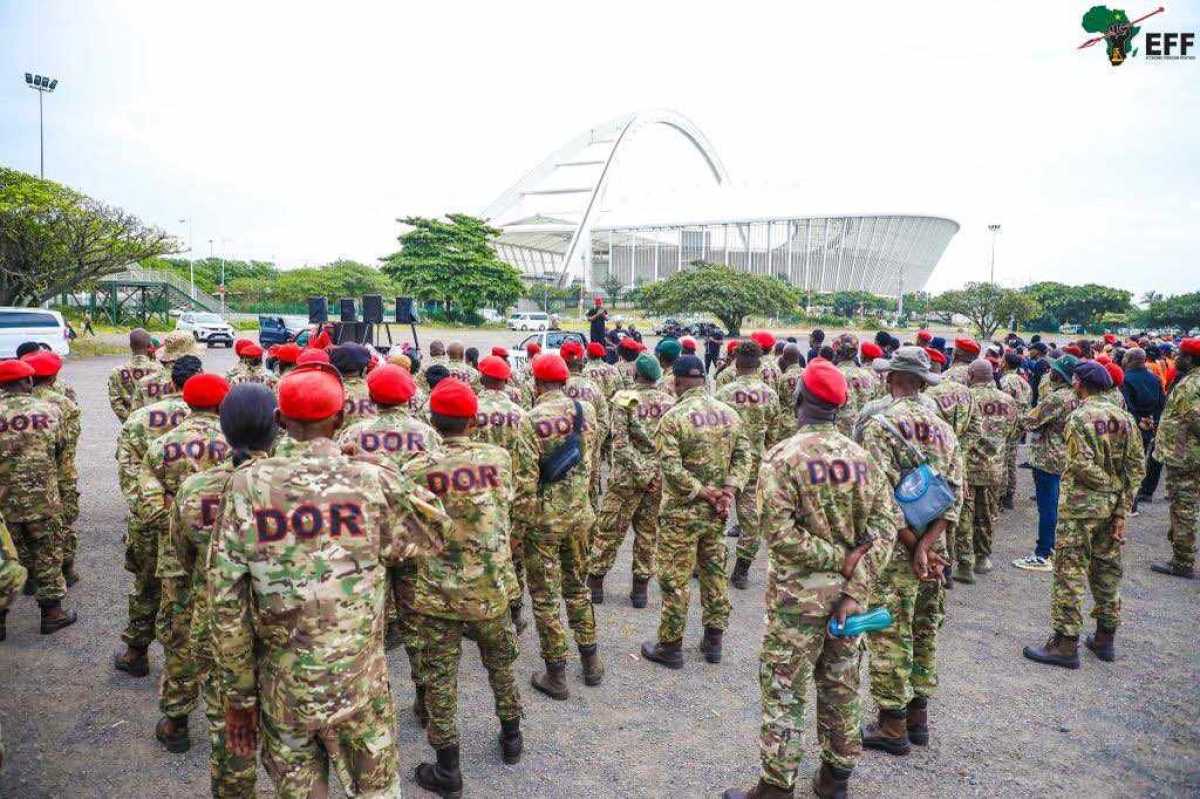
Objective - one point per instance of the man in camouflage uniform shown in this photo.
(829, 523)
(123, 379)
(904, 656)
(966, 350)
(768, 371)
(437, 357)
(635, 483)
(249, 368)
(757, 405)
(628, 351)
(156, 385)
(1104, 466)
(33, 446)
(297, 579)
(12, 576)
(556, 520)
(956, 406)
(600, 371)
(862, 384)
(579, 387)
(705, 456)
(351, 360)
(467, 587)
(786, 386)
(458, 366)
(143, 426)
(1177, 446)
(666, 351)
(1013, 383)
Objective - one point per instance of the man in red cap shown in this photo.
(1177, 446)
(555, 520)
(286, 356)
(966, 349)
(862, 383)
(465, 591)
(628, 350)
(249, 368)
(601, 371)
(597, 317)
(33, 439)
(583, 388)
(123, 379)
(310, 355)
(297, 583)
(924, 337)
(1013, 383)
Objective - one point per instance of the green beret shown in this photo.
(1065, 366)
(648, 368)
(669, 347)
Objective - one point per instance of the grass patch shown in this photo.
(93, 347)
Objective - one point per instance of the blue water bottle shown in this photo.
(872, 621)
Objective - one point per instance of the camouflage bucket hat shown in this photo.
(176, 344)
(913, 360)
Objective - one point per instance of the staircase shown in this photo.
(178, 291)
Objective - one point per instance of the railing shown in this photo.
(138, 275)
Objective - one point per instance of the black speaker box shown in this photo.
(404, 311)
(318, 309)
(348, 314)
(372, 305)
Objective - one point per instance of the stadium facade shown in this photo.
(555, 224)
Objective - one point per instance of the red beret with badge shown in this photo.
(825, 382)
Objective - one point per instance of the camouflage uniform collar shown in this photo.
(499, 391)
(391, 410)
(693, 392)
(316, 447)
(816, 426)
(458, 442)
(553, 394)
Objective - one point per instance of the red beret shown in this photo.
(322, 341)
(1116, 373)
(924, 337)
(453, 397)
(1110, 338)
(936, 355)
(763, 339)
(1103, 359)
(1190, 346)
(44, 363)
(500, 352)
(240, 345)
(311, 355)
(391, 385)
(596, 349)
(826, 382)
(287, 353)
(871, 350)
(495, 367)
(550, 369)
(732, 345)
(311, 392)
(631, 344)
(205, 390)
(968, 345)
(12, 371)
(251, 350)
(271, 350)
(688, 343)
(1073, 349)
(533, 348)
(571, 350)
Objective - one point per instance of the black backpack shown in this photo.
(555, 466)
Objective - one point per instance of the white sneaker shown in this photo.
(1034, 563)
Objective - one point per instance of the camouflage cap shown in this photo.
(912, 360)
(176, 344)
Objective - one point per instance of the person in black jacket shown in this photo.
(1144, 399)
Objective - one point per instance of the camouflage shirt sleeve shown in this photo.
(787, 541)
(675, 474)
(525, 475)
(116, 397)
(151, 494)
(741, 460)
(883, 521)
(417, 523)
(1086, 468)
(230, 602)
(1134, 471)
(1043, 413)
(170, 538)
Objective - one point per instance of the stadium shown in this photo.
(557, 224)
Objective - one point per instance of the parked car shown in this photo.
(18, 325)
(549, 340)
(669, 327)
(207, 328)
(529, 320)
(274, 330)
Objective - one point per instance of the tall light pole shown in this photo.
(191, 257)
(994, 230)
(43, 86)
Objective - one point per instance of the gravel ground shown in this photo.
(1001, 725)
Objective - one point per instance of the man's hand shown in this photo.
(241, 730)
(927, 564)
(1118, 529)
(853, 557)
(846, 606)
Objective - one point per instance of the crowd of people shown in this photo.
(294, 519)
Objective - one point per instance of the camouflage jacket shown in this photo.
(1018, 388)
(604, 375)
(394, 434)
(585, 390)
(956, 405)
(72, 427)
(143, 426)
(33, 447)
(820, 496)
(877, 405)
(358, 401)
(987, 452)
(861, 387)
(195, 445)
(1047, 420)
(244, 373)
(786, 387)
(636, 414)
(757, 405)
(1177, 442)
(501, 422)
(151, 388)
(297, 580)
(432, 360)
(123, 380)
(1112, 396)
(465, 372)
(767, 372)
(701, 442)
(563, 505)
(957, 374)
(473, 578)
(1105, 462)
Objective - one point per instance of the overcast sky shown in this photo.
(299, 132)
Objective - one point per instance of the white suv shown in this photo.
(529, 320)
(18, 325)
(206, 327)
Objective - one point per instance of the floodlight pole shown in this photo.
(41, 84)
(994, 230)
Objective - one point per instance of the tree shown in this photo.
(453, 262)
(988, 306)
(725, 293)
(1076, 305)
(54, 239)
(613, 286)
(1181, 311)
(337, 279)
(552, 297)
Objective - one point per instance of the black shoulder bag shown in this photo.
(555, 466)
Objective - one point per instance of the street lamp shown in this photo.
(994, 230)
(42, 85)
(191, 257)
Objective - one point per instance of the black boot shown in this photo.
(419, 708)
(132, 661)
(30, 587)
(637, 594)
(830, 782)
(1172, 568)
(593, 669)
(1059, 650)
(54, 618)
(764, 790)
(511, 742)
(918, 721)
(69, 574)
(173, 734)
(596, 586)
(710, 645)
(444, 777)
(552, 682)
(741, 573)
(1101, 643)
(3, 624)
(735, 531)
(888, 734)
(669, 654)
(520, 623)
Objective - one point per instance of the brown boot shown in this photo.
(637, 594)
(593, 669)
(596, 586)
(132, 661)
(54, 618)
(830, 782)
(764, 790)
(741, 574)
(552, 682)
(1059, 650)
(889, 734)
(1101, 643)
(419, 708)
(918, 721)
(520, 623)
(711, 644)
(669, 653)
(172, 733)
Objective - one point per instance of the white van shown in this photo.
(18, 325)
(529, 320)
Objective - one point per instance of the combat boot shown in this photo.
(552, 682)
(669, 654)
(511, 741)
(1059, 650)
(69, 574)
(596, 586)
(520, 623)
(710, 645)
(830, 782)
(1101, 643)
(444, 777)
(593, 669)
(3, 624)
(419, 708)
(983, 565)
(30, 588)
(637, 594)
(132, 661)
(918, 721)
(173, 734)
(764, 790)
(741, 574)
(54, 618)
(1006, 502)
(1172, 568)
(889, 734)
(392, 637)
(734, 532)
(962, 573)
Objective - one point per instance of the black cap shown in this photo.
(350, 358)
(688, 366)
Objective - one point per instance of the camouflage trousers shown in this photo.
(976, 523)
(230, 776)
(12, 580)
(794, 652)
(688, 536)
(1085, 552)
(40, 548)
(179, 685)
(361, 749)
(624, 506)
(516, 547)
(141, 560)
(1183, 492)
(748, 516)
(70, 538)
(440, 658)
(404, 590)
(556, 567)
(1010, 472)
(904, 656)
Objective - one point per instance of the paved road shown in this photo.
(1001, 725)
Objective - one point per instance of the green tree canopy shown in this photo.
(453, 261)
(334, 280)
(725, 293)
(1076, 305)
(1182, 311)
(988, 306)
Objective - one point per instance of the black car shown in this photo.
(273, 330)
